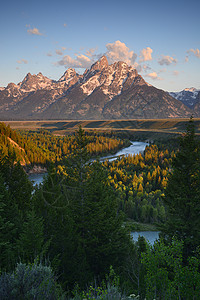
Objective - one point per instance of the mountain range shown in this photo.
(188, 96)
(103, 92)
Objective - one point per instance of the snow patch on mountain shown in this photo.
(102, 92)
(91, 84)
(187, 96)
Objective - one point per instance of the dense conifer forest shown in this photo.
(69, 239)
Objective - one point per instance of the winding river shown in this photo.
(134, 148)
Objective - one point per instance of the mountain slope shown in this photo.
(104, 91)
(187, 96)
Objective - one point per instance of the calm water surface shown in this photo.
(150, 236)
(134, 148)
(37, 178)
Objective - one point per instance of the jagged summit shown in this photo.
(192, 89)
(101, 64)
(114, 91)
(69, 73)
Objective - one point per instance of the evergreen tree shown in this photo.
(182, 195)
(10, 223)
(51, 202)
(80, 215)
(94, 208)
(31, 240)
(106, 241)
(17, 182)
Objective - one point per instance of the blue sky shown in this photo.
(159, 38)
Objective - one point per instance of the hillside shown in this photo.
(42, 147)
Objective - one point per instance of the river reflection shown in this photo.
(134, 148)
(36, 178)
(150, 236)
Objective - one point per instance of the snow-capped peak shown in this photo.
(68, 75)
(187, 96)
(34, 82)
(101, 64)
(112, 79)
(192, 89)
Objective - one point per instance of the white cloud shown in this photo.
(34, 31)
(195, 52)
(167, 60)
(91, 52)
(81, 61)
(146, 68)
(176, 73)
(118, 51)
(22, 61)
(163, 70)
(137, 67)
(153, 76)
(145, 54)
(59, 52)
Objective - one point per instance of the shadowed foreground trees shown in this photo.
(15, 201)
(182, 195)
(73, 221)
(81, 218)
(168, 275)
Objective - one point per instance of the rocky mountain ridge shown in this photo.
(104, 91)
(188, 96)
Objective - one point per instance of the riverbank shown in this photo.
(35, 169)
(137, 226)
(133, 148)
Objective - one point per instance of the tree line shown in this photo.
(42, 147)
(140, 182)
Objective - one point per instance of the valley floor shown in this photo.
(155, 126)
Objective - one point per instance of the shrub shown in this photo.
(29, 282)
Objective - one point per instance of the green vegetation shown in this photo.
(140, 181)
(69, 238)
(182, 195)
(42, 147)
(138, 226)
(32, 281)
(168, 275)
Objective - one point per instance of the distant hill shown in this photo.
(103, 92)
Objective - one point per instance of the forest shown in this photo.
(69, 238)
